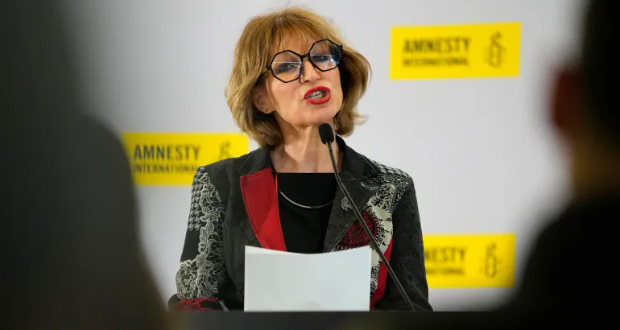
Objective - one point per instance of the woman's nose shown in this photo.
(309, 73)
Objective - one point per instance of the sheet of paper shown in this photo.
(283, 281)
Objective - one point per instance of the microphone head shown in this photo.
(326, 133)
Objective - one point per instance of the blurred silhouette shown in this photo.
(71, 255)
(570, 264)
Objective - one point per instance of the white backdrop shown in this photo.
(481, 152)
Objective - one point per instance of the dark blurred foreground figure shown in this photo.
(71, 256)
(572, 261)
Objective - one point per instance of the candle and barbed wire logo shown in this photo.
(491, 262)
(496, 51)
(224, 150)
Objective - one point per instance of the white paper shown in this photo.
(283, 281)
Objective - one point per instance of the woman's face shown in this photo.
(313, 99)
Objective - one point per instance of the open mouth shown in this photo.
(317, 95)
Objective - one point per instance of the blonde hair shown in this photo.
(253, 52)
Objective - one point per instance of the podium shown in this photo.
(340, 320)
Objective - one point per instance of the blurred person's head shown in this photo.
(585, 110)
(71, 253)
(292, 71)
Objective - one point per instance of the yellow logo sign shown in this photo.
(469, 261)
(173, 158)
(456, 51)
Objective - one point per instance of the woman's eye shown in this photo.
(321, 58)
(286, 67)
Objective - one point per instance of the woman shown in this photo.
(291, 74)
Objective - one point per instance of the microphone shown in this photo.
(327, 137)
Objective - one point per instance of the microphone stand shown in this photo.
(400, 287)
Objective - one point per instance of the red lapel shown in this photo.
(261, 203)
(382, 278)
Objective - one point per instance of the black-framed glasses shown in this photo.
(287, 66)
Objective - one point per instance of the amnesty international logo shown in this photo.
(455, 51)
(173, 158)
(469, 261)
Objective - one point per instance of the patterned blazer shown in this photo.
(235, 203)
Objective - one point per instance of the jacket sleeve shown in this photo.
(202, 274)
(407, 257)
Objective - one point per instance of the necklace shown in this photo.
(292, 201)
(301, 205)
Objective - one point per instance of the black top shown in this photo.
(304, 229)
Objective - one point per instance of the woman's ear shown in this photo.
(260, 99)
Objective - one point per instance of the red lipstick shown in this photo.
(318, 95)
